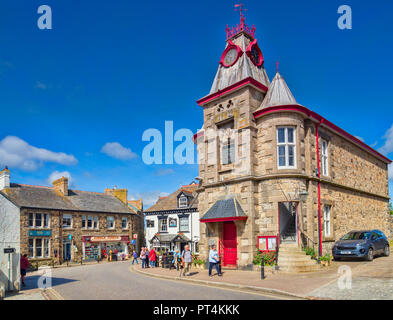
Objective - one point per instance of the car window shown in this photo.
(357, 236)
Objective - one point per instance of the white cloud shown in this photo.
(149, 197)
(164, 172)
(57, 175)
(117, 151)
(388, 145)
(17, 153)
(40, 85)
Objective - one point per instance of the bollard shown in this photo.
(81, 260)
(262, 268)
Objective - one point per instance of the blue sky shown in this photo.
(108, 71)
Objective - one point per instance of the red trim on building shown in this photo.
(235, 86)
(319, 118)
(231, 46)
(248, 52)
(223, 219)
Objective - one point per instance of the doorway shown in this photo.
(67, 251)
(288, 225)
(229, 244)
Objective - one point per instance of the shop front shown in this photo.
(98, 247)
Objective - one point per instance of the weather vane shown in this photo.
(241, 9)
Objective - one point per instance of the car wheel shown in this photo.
(386, 251)
(370, 255)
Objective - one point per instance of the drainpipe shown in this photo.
(319, 192)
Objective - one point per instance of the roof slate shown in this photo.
(171, 203)
(48, 198)
(227, 208)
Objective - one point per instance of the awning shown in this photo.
(162, 238)
(224, 210)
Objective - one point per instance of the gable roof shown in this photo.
(47, 198)
(171, 203)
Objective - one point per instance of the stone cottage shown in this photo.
(274, 171)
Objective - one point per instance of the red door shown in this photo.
(229, 244)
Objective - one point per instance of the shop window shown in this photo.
(150, 223)
(31, 248)
(83, 222)
(46, 248)
(183, 224)
(286, 147)
(38, 248)
(110, 222)
(67, 221)
(124, 223)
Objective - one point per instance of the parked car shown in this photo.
(361, 244)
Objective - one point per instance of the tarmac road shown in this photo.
(115, 281)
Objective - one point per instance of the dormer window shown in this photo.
(183, 202)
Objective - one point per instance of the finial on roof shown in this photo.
(242, 26)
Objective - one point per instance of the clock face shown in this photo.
(255, 55)
(230, 57)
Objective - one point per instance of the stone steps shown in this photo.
(292, 259)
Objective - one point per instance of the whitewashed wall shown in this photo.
(9, 237)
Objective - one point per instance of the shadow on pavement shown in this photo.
(32, 282)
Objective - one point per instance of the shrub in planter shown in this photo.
(269, 258)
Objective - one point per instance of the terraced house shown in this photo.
(173, 221)
(57, 224)
(274, 171)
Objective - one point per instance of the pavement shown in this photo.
(122, 281)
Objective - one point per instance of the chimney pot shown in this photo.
(61, 185)
(4, 178)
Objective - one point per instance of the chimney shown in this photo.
(61, 185)
(4, 178)
(120, 194)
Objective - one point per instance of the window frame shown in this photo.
(89, 219)
(67, 216)
(286, 144)
(122, 226)
(41, 219)
(183, 197)
(95, 223)
(161, 224)
(112, 218)
(84, 222)
(149, 223)
(180, 224)
(327, 220)
(324, 157)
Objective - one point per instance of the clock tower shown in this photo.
(226, 147)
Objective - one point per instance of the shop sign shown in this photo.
(40, 233)
(105, 239)
(9, 250)
(134, 236)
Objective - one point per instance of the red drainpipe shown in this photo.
(319, 191)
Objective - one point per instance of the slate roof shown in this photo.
(171, 202)
(226, 208)
(242, 69)
(169, 237)
(48, 198)
(278, 94)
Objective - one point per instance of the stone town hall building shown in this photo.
(281, 172)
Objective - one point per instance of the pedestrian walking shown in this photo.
(147, 257)
(214, 261)
(152, 258)
(143, 258)
(135, 257)
(24, 264)
(186, 257)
